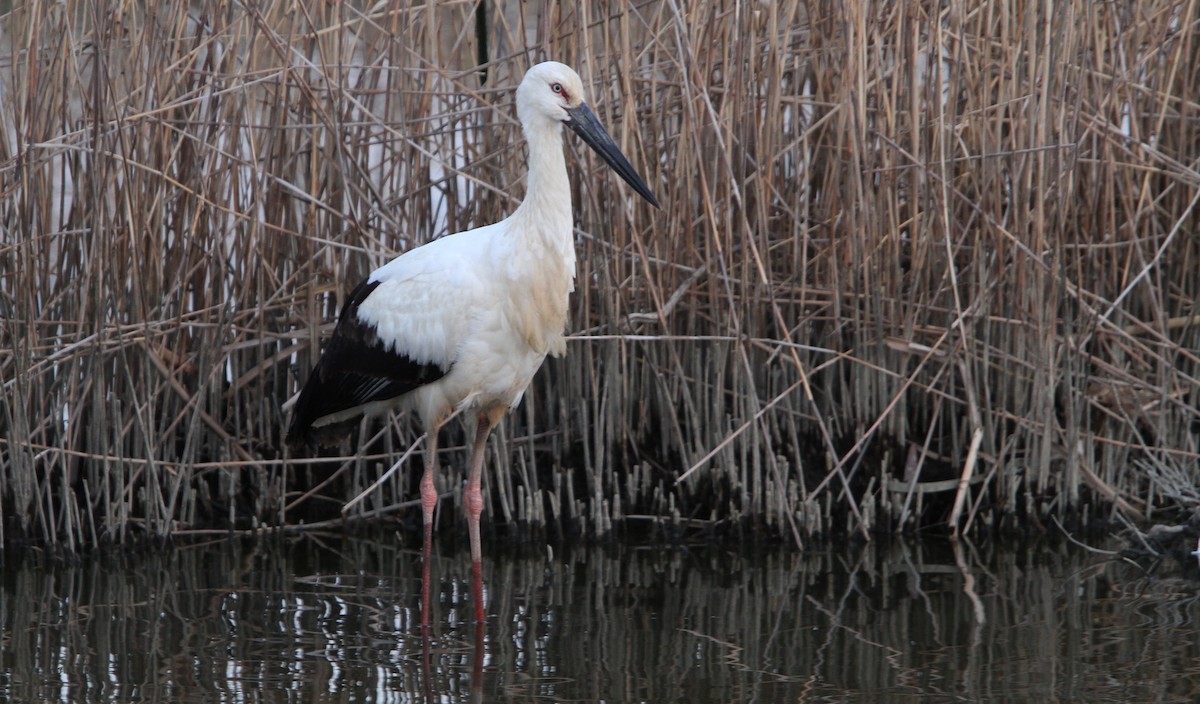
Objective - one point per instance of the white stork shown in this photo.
(465, 321)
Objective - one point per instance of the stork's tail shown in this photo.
(304, 434)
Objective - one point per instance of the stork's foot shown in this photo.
(477, 591)
(426, 557)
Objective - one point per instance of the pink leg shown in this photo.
(429, 499)
(429, 495)
(474, 501)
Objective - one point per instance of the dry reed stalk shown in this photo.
(905, 247)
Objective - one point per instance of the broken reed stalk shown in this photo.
(912, 269)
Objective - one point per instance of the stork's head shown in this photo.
(551, 94)
(549, 90)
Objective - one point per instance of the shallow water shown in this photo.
(325, 618)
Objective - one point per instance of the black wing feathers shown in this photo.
(356, 368)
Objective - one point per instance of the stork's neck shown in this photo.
(540, 247)
(546, 210)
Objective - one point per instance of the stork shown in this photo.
(462, 323)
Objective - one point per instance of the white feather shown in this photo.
(489, 304)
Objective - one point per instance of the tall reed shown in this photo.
(917, 264)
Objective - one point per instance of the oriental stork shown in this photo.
(463, 323)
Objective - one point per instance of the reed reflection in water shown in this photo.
(332, 619)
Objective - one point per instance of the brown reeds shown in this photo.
(917, 264)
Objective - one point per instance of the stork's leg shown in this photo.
(474, 500)
(429, 495)
(429, 499)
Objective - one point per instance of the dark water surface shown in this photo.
(333, 619)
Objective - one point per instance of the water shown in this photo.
(323, 618)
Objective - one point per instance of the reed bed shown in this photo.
(918, 264)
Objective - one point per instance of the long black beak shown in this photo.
(584, 123)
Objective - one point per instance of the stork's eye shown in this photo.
(556, 87)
